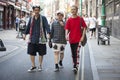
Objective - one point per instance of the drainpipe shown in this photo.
(103, 17)
(103, 13)
(80, 7)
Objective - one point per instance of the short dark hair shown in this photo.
(36, 7)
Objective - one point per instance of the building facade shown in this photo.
(10, 18)
(113, 16)
(3, 7)
(90, 7)
(112, 13)
(8, 11)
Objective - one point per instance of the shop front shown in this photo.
(2, 15)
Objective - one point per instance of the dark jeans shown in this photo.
(17, 26)
(74, 53)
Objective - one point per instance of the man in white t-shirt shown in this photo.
(92, 26)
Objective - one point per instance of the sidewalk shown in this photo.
(105, 59)
(8, 36)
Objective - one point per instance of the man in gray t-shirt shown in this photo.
(58, 38)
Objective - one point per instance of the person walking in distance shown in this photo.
(74, 33)
(92, 26)
(59, 41)
(17, 21)
(37, 28)
(86, 19)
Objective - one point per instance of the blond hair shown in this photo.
(75, 6)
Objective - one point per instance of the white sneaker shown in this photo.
(61, 67)
(40, 68)
(56, 70)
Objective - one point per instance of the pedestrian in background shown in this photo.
(28, 16)
(74, 34)
(59, 41)
(37, 28)
(99, 21)
(86, 19)
(92, 26)
(17, 21)
(23, 21)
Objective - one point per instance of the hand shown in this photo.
(61, 23)
(48, 36)
(24, 36)
(67, 37)
(82, 38)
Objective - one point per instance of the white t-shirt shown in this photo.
(86, 21)
(92, 22)
(99, 21)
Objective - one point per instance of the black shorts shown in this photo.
(93, 30)
(34, 48)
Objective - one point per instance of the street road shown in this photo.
(15, 65)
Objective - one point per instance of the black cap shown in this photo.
(36, 7)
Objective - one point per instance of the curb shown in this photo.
(93, 65)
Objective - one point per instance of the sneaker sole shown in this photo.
(39, 70)
(32, 71)
(56, 70)
(75, 71)
(61, 67)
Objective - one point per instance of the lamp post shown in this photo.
(80, 7)
(103, 17)
(103, 13)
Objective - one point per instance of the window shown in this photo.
(110, 8)
(117, 5)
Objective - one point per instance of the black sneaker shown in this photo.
(75, 69)
(61, 65)
(32, 69)
(56, 68)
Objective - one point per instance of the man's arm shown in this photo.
(67, 30)
(52, 31)
(84, 26)
(27, 29)
(83, 34)
(46, 26)
(67, 34)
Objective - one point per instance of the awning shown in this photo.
(26, 11)
(17, 7)
(11, 3)
(2, 3)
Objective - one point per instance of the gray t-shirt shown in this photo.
(58, 32)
